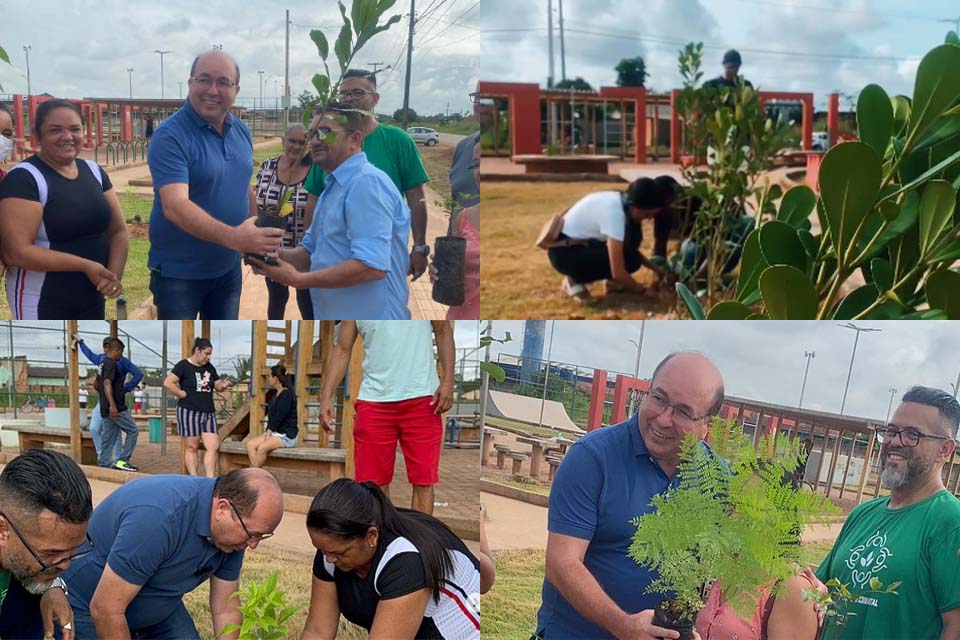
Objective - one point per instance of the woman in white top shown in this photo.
(602, 234)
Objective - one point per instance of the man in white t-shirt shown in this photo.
(401, 399)
(602, 234)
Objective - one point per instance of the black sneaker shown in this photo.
(125, 466)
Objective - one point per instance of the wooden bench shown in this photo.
(34, 436)
(534, 163)
(518, 458)
(502, 452)
(324, 461)
(554, 462)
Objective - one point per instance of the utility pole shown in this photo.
(546, 373)
(550, 42)
(956, 387)
(853, 355)
(893, 392)
(286, 77)
(375, 65)
(955, 22)
(448, 111)
(639, 346)
(261, 88)
(130, 74)
(162, 53)
(808, 355)
(563, 56)
(406, 85)
(26, 50)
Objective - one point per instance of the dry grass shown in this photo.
(294, 577)
(516, 278)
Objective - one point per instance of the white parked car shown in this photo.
(427, 136)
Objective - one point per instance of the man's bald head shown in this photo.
(216, 53)
(699, 366)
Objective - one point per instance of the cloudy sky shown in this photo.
(787, 45)
(81, 48)
(43, 340)
(765, 360)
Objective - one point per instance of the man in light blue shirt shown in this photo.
(354, 256)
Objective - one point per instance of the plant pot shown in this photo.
(664, 616)
(268, 219)
(450, 259)
(687, 161)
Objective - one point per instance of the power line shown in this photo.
(806, 7)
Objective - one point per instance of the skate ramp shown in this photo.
(511, 406)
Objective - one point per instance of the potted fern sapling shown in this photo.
(731, 517)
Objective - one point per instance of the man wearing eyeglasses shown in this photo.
(45, 503)
(592, 589)
(201, 160)
(907, 539)
(390, 149)
(160, 537)
(463, 184)
(353, 257)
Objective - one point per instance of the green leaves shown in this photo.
(850, 176)
(797, 204)
(943, 292)
(323, 48)
(4, 56)
(693, 305)
(729, 310)
(343, 47)
(781, 245)
(937, 86)
(875, 118)
(936, 212)
(264, 608)
(322, 85)
(788, 294)
(752, 264)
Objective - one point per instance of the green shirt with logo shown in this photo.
(915, 545)
(390, 149)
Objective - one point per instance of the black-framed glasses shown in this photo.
(356, 94)
(250, 536)
(45, 566)
(222, 83)
(659, 403)
(909, 436)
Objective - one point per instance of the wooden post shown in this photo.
(259, 362)
(867, 465)
(304, 357)
(354, 373)
(73, 388)
(187, 334)
(823, 453)
(833, 461)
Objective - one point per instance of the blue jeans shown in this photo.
(110, 433)
(212, 299)
(177, 626)
(96, 430)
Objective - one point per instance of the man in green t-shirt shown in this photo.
(389, 149)
(45, 503)
(909, 538)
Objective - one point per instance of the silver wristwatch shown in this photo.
(58, 583)
(422, 248)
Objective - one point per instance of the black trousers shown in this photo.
(590, 262)
(277, 296)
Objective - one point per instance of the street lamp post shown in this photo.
(26, 50)
(261, 89)
(853, 355)
(130, 76)
(546, 375)
(162, 53)
(893, 392)
(809, 355)
(639, 346)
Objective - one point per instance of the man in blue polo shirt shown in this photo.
(201, 160)
(354, 256)
(592, 589)
(96, 421)
(158, 538)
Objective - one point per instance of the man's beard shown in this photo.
(34, 583)
(916, 468)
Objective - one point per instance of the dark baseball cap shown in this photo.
(732, 58)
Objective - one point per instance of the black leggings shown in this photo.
(590, 262)
(278, 294)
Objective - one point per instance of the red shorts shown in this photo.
(378, 427)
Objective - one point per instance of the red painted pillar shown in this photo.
(808, 122)
(640, 153)
(32, 103)
(126, 127)
(88, 111)
(833, 119)
(99, 122)
(619, 400)
(18, 116)
(674, 128)
(598, 394)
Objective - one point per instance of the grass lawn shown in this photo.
(294, 577)
(436, 160)
(263, 153)
(510, 608)
(516, 278)
(133, 204)
(543, 490)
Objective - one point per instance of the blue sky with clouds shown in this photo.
(787, 45)
(82, 48)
